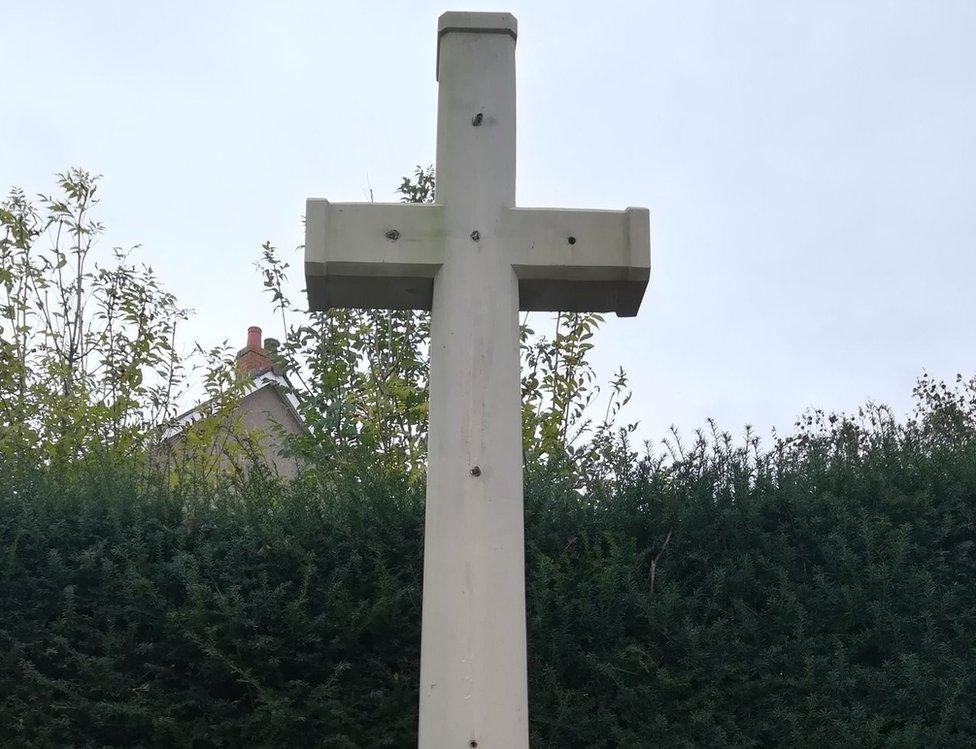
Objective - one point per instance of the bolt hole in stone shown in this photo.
(477, 119)
(393, 235)
(571, 240)
(473, 743)
(475, 235)
(476, 471)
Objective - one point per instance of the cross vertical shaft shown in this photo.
(473, 650)
(473, 258)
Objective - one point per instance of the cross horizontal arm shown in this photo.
(579, 261)
(372, 255)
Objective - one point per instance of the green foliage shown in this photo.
(87, 358)
(560, 389)
(816, 593)
(89, 363)
(89, 366)
(362, 373)
(140, 616)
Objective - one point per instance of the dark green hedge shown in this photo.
(822, 594)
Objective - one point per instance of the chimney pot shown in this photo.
(252, 359)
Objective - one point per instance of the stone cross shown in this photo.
(474, 260)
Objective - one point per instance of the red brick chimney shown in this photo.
(253, 359)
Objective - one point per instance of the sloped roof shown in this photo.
(269, 378)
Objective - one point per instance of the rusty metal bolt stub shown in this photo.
(392, 234)
(571, 240)
(477, 119)
(476, 471)
(475, 236)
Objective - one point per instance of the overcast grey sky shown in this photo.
(810, 166)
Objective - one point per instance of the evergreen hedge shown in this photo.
(819, 594)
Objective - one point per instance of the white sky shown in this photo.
(810, 166)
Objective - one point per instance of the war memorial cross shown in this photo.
(474, 260)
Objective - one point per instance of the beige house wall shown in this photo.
(266, 411)
(261, 421)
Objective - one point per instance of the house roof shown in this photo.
(256, 364)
